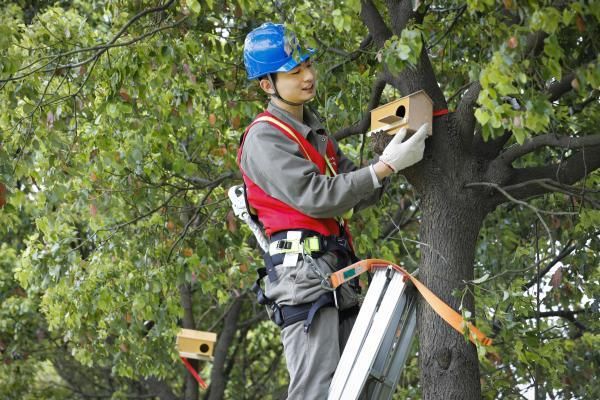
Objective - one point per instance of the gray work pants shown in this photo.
(311, 357)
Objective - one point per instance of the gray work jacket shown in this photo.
(275, 163)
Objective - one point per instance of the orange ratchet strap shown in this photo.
(454, 319)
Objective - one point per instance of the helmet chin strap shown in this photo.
(279, 96)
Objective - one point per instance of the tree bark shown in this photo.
(451, 220)
(191, 386)
(449, 364)
(217, 377)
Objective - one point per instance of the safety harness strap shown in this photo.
(305, 312)
(291, 134)
(310, 243)
(284, 316)
(330, 158)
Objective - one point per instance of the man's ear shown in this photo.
(266, 86)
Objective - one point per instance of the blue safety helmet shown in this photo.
(269, 49)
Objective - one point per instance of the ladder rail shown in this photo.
(379, 327)
(357, 335)
(378, 346)
(395, 356)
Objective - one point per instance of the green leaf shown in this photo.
(194, 6)
(482, 116)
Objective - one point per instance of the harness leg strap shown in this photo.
(270, 266)
(305, 312)
(326, 299)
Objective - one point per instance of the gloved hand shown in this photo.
(398, 155)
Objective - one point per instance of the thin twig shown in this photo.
(537, 211)
(100, 49)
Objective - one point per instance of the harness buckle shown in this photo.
(312, 245)
(284, 245)
(276, 314)
(343, 242)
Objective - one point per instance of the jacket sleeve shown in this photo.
(346, 165)
(274, 162)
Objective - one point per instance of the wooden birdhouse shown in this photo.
(196, 344)
(409, 112)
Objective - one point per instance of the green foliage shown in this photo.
(546, 347)
(403, 52)
(117, 170)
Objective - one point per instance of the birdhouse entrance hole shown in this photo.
(401, 111)
(204, 348)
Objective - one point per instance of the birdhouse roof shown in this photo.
(200, 335)
(420, 94)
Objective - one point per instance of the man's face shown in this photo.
(298, 85)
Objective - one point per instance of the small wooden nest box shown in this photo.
(409, 112)
(196, 344)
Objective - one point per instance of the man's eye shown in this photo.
(296, 72)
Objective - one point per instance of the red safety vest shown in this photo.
(274, 214)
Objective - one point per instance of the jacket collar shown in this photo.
(311, 122)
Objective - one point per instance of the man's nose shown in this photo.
(309, 74)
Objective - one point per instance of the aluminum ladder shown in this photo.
(380, 341)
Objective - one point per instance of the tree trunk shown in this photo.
(450, 225)
(218, 378)
(191, 386)
(451, 220)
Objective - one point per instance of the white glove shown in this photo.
(398, 155)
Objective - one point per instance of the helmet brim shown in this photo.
(293, 63)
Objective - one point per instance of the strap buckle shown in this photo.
(284, 244)
(312, 245)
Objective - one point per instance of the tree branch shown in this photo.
(366, 42)
(374, 23)
(567, 172)
(577, 108)
(566, 314)
(566, 251)
(18, 77)
(202, 183)
(185, 294)
(460, 12)
(466, 116)
(160, 389)
(509, 197)
(364, 123)
(553, 186)
(530, 145)
(490, 149)
(400, 13)
(399, 220)
(557, 89)
(101, 49)
(535, 43)
(559, 313)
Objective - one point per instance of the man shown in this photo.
(302, 187)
